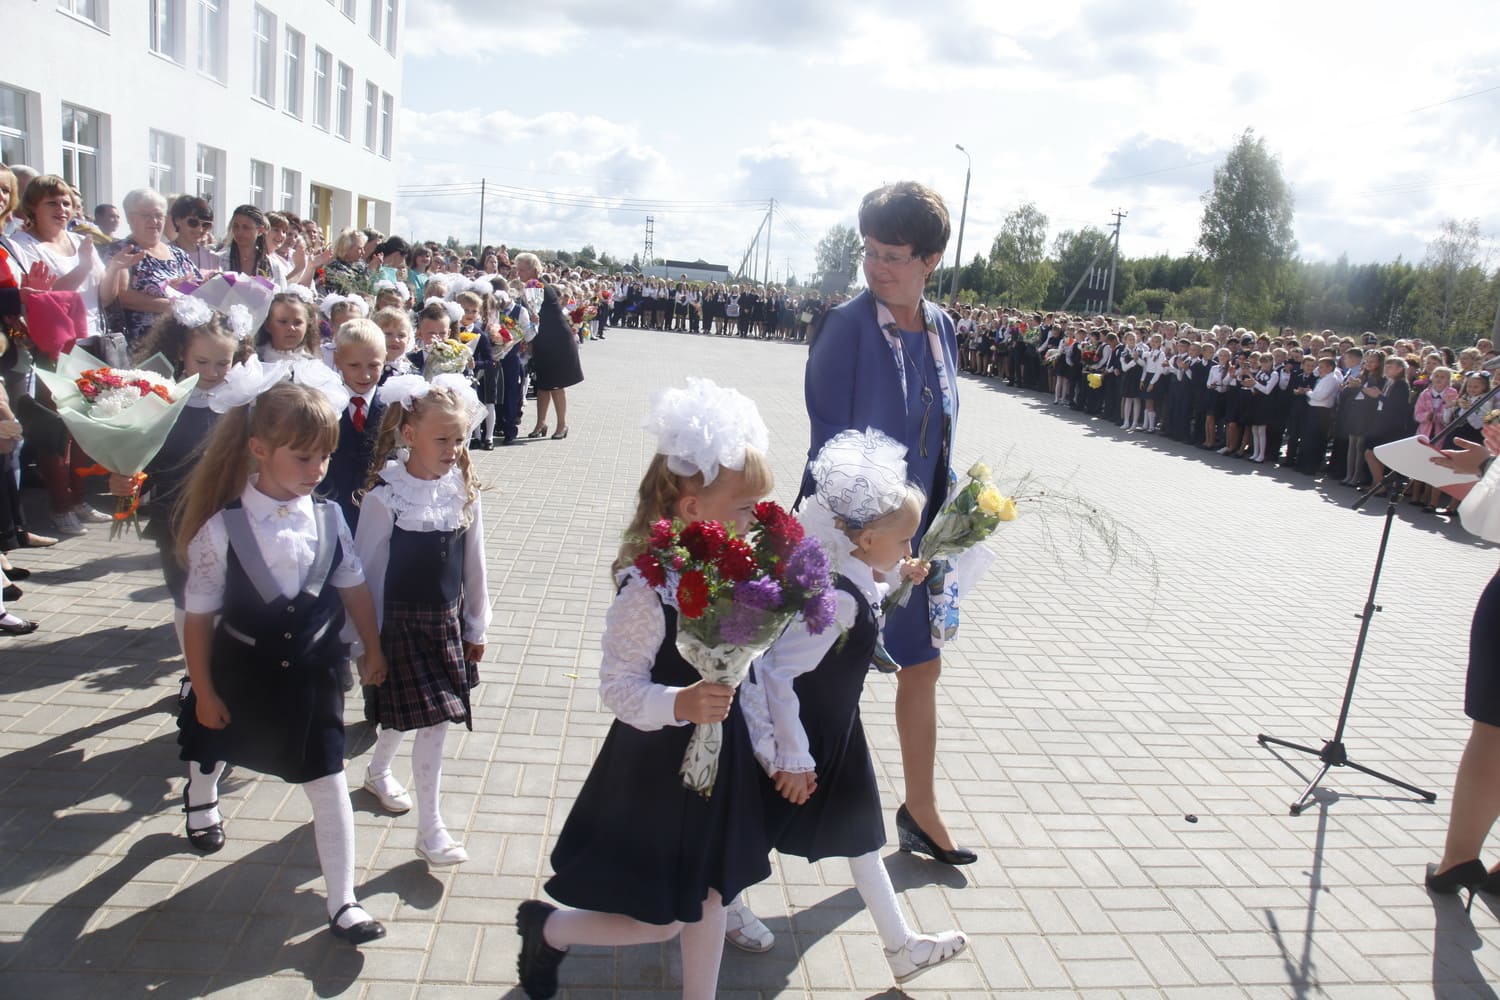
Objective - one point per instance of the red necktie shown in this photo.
(359, 414)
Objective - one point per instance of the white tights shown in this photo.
(427, 769)
(333, 830)
(874, 885)
(489, 422)
(702, 942)
(203, 787)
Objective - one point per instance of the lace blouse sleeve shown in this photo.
(772, 710)
(634, 629)
(349, 572)
(208, 564)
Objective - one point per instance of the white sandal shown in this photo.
(744, 930)
(925, 951)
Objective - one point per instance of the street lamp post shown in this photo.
(958, 256)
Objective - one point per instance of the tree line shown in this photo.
(1244, 269)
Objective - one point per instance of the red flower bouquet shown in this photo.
(734, 595)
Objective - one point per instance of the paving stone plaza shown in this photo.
(1098, 747)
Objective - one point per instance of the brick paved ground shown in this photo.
(1088, 711)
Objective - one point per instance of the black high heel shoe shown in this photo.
(1491, 883)
(1470, 875)
(912, 838)
(210, 839)
(540, 432)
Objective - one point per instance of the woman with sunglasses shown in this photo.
(192, 231)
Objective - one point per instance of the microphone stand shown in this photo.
(1333, 752)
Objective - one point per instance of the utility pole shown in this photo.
(958, 256)
(481, 215)
(1114, 255)
(650, 243)
(770, 217)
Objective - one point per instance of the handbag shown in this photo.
(805, 316)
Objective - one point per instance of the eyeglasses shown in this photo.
(196, 223)
(889, 259)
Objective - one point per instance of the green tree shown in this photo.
(1452, 282)
(1072, 252)
(1019, 257)
(1246, 231)
(839, 255)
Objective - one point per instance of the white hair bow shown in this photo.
(705, 427)
(405, 390)
(191, 313)
(245, 382)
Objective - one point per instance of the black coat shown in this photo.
(554, 350)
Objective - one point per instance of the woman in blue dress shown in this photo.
(888, 359)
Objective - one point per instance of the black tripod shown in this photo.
(1333, 754)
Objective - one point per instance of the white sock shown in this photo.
(203, 786)
(333, 830)
(874, 885)
(427, 772)
(702, 946)
(387, 743)
(566, 928)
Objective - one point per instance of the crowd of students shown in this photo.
(1319, 403)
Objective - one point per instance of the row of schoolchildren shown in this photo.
(291, 537)
(767, 312)
(295, 517)
(491, 322)
(1314, 403)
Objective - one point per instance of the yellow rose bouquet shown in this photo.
(971, 515)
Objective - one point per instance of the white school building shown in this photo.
(286, 104)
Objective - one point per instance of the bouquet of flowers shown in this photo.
(443, 356)
(734, 596)
(971, 515)
(120, 417)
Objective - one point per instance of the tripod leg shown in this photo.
(1301, 803)
(1420, 792)
(1265, 740)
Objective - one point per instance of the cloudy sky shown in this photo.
(589, 115)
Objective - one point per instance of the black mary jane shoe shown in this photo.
(17, 574)
(11, 592)
(1470, 875)
(23, 627)
(210, 839)
(356, 934)
(536, 965)
(912, 839)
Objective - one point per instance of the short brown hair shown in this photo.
(39, 190)
(906, 214)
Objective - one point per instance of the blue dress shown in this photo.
(852, 383)
(907, 635)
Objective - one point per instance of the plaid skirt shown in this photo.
(427, 678)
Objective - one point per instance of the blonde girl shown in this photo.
(421, 541)
(272, 575)
(643, 858)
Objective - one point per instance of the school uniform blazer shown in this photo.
(349, 465)
(851, 380)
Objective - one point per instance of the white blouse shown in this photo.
(32, 250)
(634, 629)
(415, 504)
(1480, 509)
(772, 711)
(287, 535)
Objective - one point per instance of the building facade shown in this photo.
(285, 104)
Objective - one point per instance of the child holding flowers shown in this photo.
(421, 542)
(271, 576)
(643, 857)
(803, 703)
